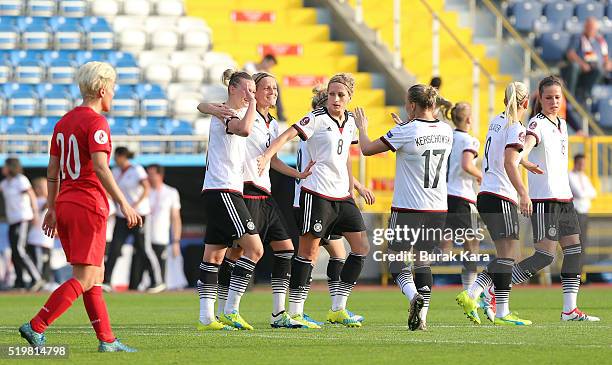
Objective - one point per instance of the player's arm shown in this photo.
(100, 165)
(349, 167)
(53, 184)
(278, 165)
(219, 110)
(367, 194)
(512, 157)
(33, 204)
(530, 142)
(177, 230)
(242, 127)
(276, 145)
(368, 147)
(146, 188)
(468, 166)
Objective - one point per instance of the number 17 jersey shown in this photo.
(76, 136)
(422, 148)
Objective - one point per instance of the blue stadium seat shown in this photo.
(99, 33)
(82, 57)
(523, 14)
(22, 100)
(43, 125)
(609, 10)
(17, 126)
(149, 127)
(72, 8)
(177, 127)
(153, 100)
(36, 34)
(61, 71)
(9, 36)
(40, 8)
(553, 46)
(124, 103)
(5, 70)
(68, 32)
(29, 71)
(55, 100)
(604, 112)
(11, 8)
(589, 8)
(558, 12)
(120, 126)
(74, 91)
(126, 67)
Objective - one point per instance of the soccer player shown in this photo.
(423, 145)
(554, 219)
(501, 191)
(229, 219)
(78, 175)
(132, 180)
(21, 212)
(326, 198)
(165, 214)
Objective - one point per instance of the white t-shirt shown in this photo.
(500, 136)
(257, 142)
(163, 201)
(550, 153)
(110, 224)
(18, 207)
(129, 182)
(460, 183)
(328, 144)
(303, 158)
(422, 149)
(582, 190)
(225, 157)
(36, 236)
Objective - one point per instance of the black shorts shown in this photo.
(228, 218)
(423, 230)
(553, 219)
(323, 217)
(267, 217)
(499, 215)
(460, 214)
(297, 215)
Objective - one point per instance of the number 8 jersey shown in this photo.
(328, 144)
(422, 148)
(76, 136)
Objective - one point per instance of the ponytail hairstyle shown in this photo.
(232, 78)
(515, 95)
(424, 96)
(460, 112)
(319, 97)
(345, 79)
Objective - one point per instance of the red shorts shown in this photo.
(82, 234)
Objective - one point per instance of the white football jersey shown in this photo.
(303, 158)
(257, 142)
(422, 149)
(328, 144)
(500, 136)
(550, 153)
(17, 205)
(460, 183)
(225, 157)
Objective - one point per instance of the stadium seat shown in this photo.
(54, 99)
(11, 7)
(558, 12)
(153, 23)
(5, 71)
(169, 7)
(145, 58)
(196, 39)
(9, 37)
(190, 74)
(61, 71)
(67, 33)
(201, 126)
(604, 112)
(574, 26)
(43, 125)
(36, 34)
(609, 10)
(99, 33)
(214, 93)
(133, 39)
(29, 71)
(107, 8)
(178, 58)
(590, 8)
(149, 127)
(17, 126)
(608, 37)
(42, 8)
(188, 23)
(177, 127)
(154, 102)
(118, 125)
(553, 46)
(73, 8)
(122, 22)
(21, 100)
(124, 103)
(523, 14)
(164, 40)
(137, 7)
(216, 63)
(159, 73)
(126, 67)
(184, 106)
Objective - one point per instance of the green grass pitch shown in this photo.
(162, 327)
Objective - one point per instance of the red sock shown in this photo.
(98, 315)
(60, 300)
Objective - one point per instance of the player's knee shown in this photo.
(254, 253)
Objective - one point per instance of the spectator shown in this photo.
(165, 214)
(588, 60)
(583, 192)
(39, 244)
(265, 65)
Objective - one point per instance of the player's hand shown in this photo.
(221, 111)
(361, 121)
(368, 195)
(525, 205)
(49, 223)
(176, 249)
(396, 119)
(479, 179)
(533, 168)
(248, 95)
(262, 162)
(133, 219)
(304, 174)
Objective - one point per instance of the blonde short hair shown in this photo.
(94, 76)
(345, 79)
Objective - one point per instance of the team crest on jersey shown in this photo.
(552, 231)
(389, 134)
(521, 137)
(101, 137)
(304, 121)
(318, 227)
(533, 125)
(251, 225)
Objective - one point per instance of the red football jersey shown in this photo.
(76, 136)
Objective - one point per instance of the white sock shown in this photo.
(502, 309)
(220, 307)
(296, 308)
(207, 311)
(406, 284)
(569, 302)
(278, 300)
(233, 301)
(339, 302)
(424, 311)
(468, 279)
